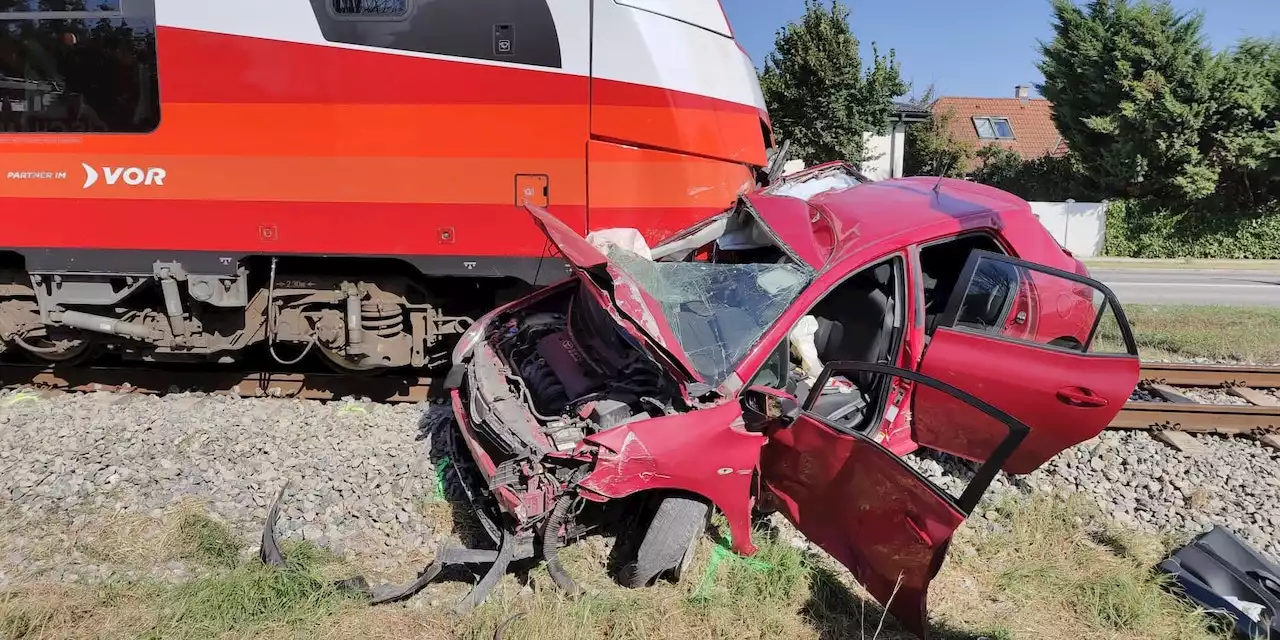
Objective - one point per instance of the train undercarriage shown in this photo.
(354, 315)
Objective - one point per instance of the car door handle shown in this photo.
(1081, 397)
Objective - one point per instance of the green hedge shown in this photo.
(1142, 230)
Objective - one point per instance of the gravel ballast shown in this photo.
(359, 473)
(1152, 488)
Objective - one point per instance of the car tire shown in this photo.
(669, 543)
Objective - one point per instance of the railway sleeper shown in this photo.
(367, 323)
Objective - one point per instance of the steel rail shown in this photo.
(310, 386)
(1212, 375)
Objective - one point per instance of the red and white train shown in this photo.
(182, 180)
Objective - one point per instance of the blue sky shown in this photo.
(973, 47)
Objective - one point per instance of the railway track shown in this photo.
(1178, 412)
(1174, 412)
(262, 384)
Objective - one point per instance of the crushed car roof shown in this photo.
(858, 216)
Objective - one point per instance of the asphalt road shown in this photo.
(1192, 286)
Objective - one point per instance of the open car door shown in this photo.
(1051, 348)
(868, 508)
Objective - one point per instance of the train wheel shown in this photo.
(63, 348)
(342, 364)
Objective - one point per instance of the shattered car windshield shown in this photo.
(717, 311)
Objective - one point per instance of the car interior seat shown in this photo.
(855, 326)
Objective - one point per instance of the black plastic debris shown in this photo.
(511, 549)
(1224, 575)
(269, 552)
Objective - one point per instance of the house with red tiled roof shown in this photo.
(1021, 123)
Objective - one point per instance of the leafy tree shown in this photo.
(930, 149)
(819, 95)
(999, 167)
(1244, 129)
(1046, 179)
(1133, 93)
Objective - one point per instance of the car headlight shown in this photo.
(468, 341)
(471, 337)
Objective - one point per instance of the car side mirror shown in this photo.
(763, 407)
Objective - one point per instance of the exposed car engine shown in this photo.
(578, 373)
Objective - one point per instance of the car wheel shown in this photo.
(669, 543)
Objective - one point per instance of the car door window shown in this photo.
(1049, 347)
(941, 263)
(1018, 300)
(990, 296)
(1109, 337)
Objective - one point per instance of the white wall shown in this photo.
(885, 153)
(792, 166)
(879, 157)
(899, 147)
(1078, 226)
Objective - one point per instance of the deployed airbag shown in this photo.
(807, 189)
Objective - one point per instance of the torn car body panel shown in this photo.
(513, 503)
(671, 453)
(846, 496)
(865, 506)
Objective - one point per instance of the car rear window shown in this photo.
(68, 66)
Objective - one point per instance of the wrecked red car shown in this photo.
(783, 356)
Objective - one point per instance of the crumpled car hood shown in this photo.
(617, 292)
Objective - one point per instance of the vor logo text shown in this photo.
(131, 176)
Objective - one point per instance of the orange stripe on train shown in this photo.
(619, 177)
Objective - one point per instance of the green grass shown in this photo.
(205, 540)
(249, 598)
(1053, 570)
(1242, 334)
(242, 597)
(1059, 569)
(230, 597)
(1185, 264)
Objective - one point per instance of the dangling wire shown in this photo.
(271, 323)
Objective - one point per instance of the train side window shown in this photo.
(509, 31)
(65, 68)
(370, 7)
